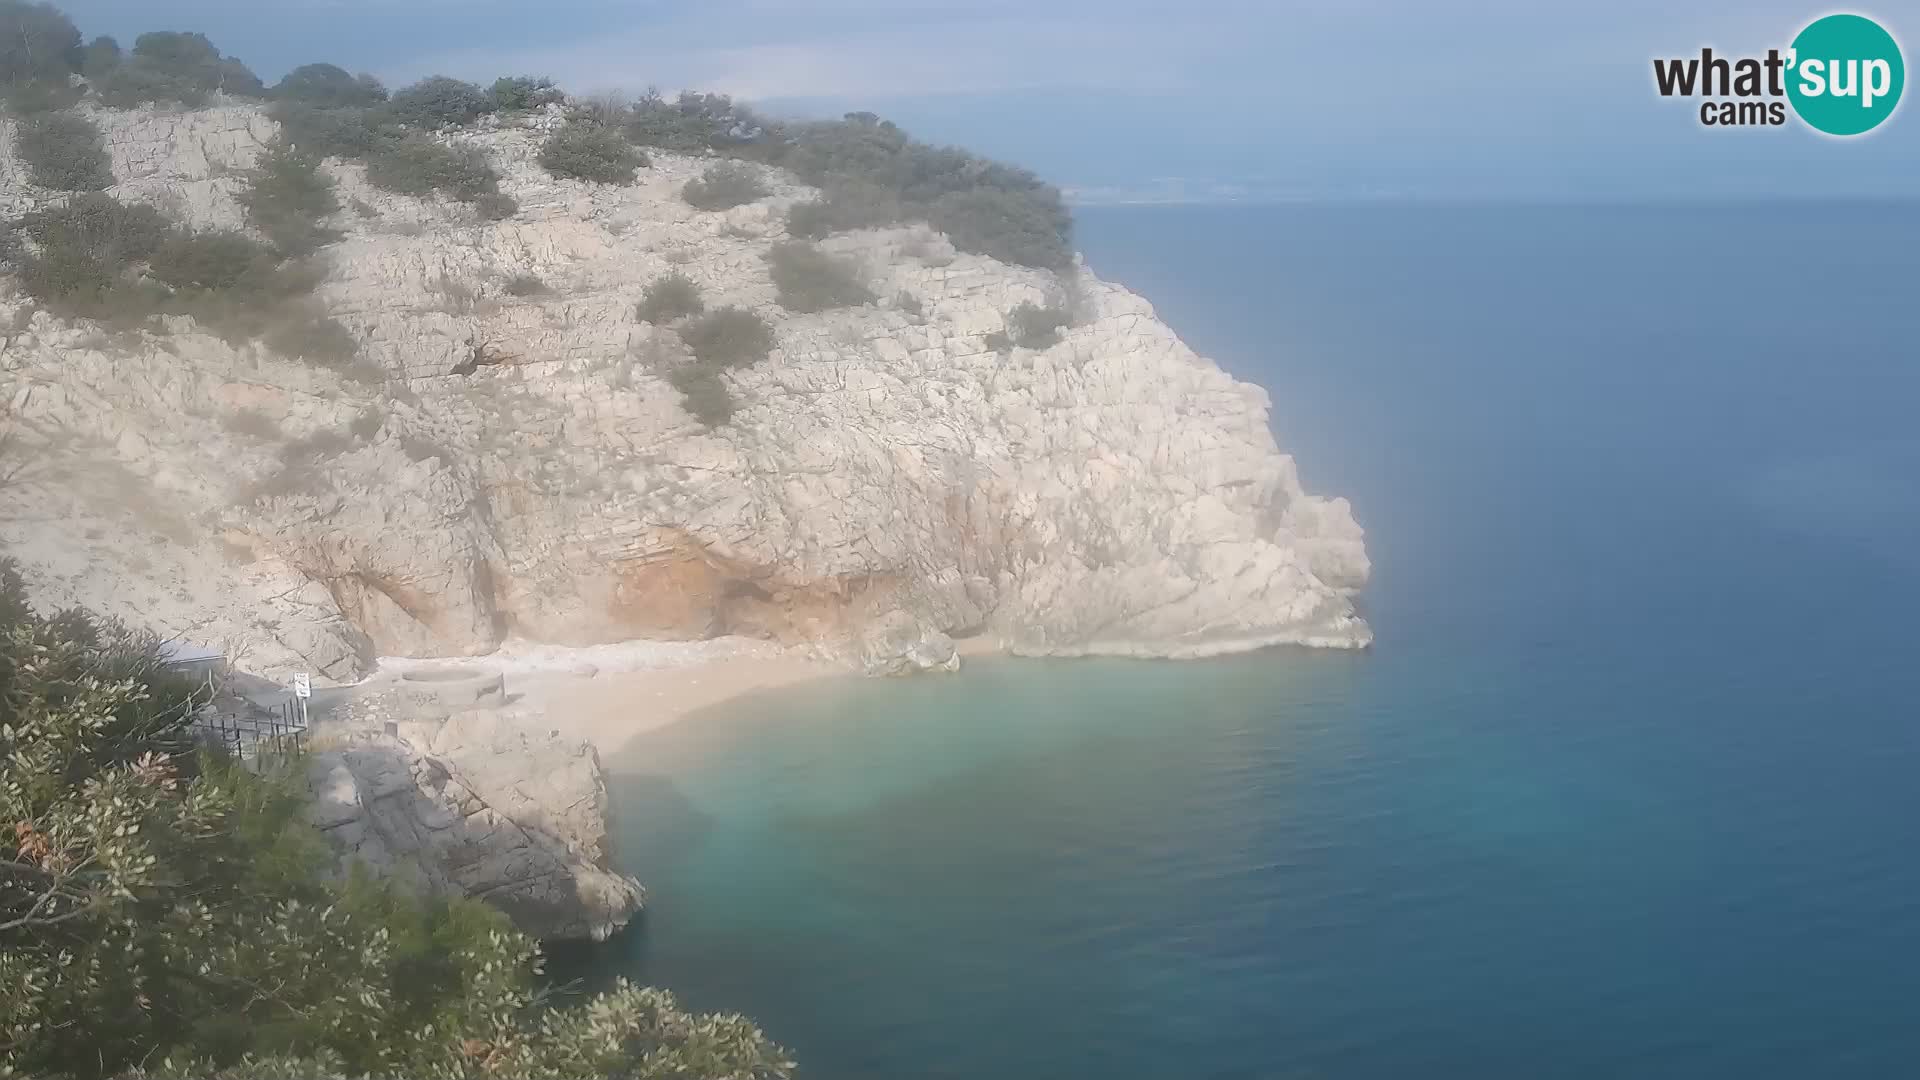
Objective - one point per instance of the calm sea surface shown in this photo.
(1628, 787)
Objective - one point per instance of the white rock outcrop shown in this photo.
(479, 804)
(888, 482)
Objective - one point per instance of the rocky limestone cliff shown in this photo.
(478, 803)
(888, 481)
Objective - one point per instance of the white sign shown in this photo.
(302, 685)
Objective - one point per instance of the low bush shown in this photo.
(1024, 228)
(65, 152)
(728, 337)
(438, 101)
(670, 297)
(724, 186)
(303, 332)
(351, 132)
(695, 123)
(526, 285)
(36, 98)
(582, 150)
(418, 164)
(495, 206)
(216, 259)
(909, 303)
(329, 87)
(854, 204)
(82, 250)
(519, 93)
(986, 207)
(703, 393)
(287, 198)
(808, 279)
(1031, 326)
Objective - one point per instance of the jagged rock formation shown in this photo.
(481, 803)
(888, 481)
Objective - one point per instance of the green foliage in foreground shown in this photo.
(162, 913)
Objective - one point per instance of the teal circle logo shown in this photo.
(1845, 74)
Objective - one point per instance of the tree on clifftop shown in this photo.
(162, 909)
(38, 44)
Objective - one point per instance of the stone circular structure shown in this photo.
(454, 689)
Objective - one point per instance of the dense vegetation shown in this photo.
(169, 67)
(520, 93)
(287, 198)
(64, 152)
(724, 186)
(583, 150)
(329, 87)
(95, 257)
(807, 279)
(164, 911)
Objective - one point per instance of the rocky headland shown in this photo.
(510, 461)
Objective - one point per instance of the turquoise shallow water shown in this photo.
(1625, 788)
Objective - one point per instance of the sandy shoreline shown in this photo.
(610, 695)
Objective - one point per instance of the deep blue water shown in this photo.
(1629, 785)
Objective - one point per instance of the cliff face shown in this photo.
(888, 479)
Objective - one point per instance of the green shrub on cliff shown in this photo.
(518, 93)
(65, 152)
(287, 197)
(438, 101)
(164, 909)
(808, 279)
(170, 67)
(986, 207)
(583, 150)
(329, 87)
(703, 393)
(728, 337)
(670, 297)
(724, 186)
(1031, 326)
(420, 165)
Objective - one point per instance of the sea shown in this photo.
(1627, 787)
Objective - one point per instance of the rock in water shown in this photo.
(480, 805)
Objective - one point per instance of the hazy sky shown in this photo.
(1324, 98)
